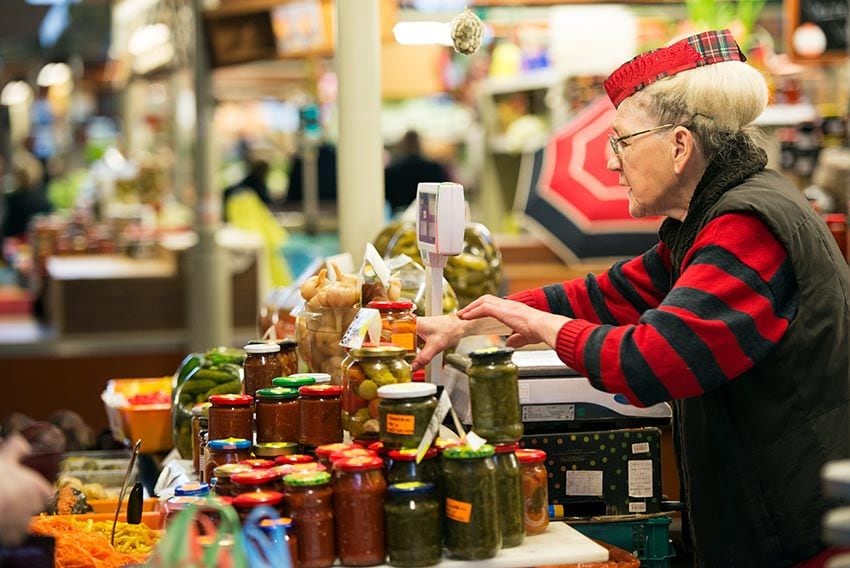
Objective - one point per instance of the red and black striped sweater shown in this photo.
(635, 334)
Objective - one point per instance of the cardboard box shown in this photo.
(610, 472)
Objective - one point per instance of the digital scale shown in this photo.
(554, 398)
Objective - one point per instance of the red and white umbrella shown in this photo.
(570, 199)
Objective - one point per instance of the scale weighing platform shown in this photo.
(555, 398)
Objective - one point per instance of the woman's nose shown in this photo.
(613, 163)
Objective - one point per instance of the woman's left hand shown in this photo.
(528, 324)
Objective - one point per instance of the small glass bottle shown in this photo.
(509, 492)
(321, 422)
(535, 490)
(200, 429)
(278, 415)
(359, 488)
(494, 393)
(472, 529)
(229, 450)
(412, 513)
(364, 370)
(310, 500)
(398, 323)
(231, 416)
(404, 413)
(261, 366)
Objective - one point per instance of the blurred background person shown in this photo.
(29, 198)
(407, 169)
(256, 181)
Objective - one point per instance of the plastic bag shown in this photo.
(265, 548)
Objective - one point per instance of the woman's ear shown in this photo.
(683, 150)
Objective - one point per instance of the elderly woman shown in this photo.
(739, 315)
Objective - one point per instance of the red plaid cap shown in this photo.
(697, 50)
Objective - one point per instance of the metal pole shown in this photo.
(360, 175)
(208, 280)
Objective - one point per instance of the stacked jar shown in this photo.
(364, 371)
(231, 416)
(405, 411)
(226, 451)
(414, 534)
(321, 421)
(262, 365)
(535, 490)
(310, 499)
(278, 415)
(359, 489)
(398, 324)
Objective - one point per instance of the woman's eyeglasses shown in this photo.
(617, 143)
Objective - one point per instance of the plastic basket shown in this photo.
(648, 539)
(151, 422)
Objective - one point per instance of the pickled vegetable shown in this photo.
(494, 393)
(472, 529)
(365, 370)
(412, 514)
(535, 490)
(404, 413)
(509, 493)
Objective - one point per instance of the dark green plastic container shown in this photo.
(648, 539)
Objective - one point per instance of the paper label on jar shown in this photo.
(367, 320)
(402, 340)
(401, 424)
(458, 510)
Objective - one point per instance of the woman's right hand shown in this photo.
(440, 333)
(23, 492)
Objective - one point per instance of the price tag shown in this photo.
(397, 262)
(381, 270)
(367, 320)
(474, 441)
(444, 406)
(459, 511)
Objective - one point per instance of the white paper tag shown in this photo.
(397, 262)
(474, 441)
(584, 483)
(444, 406)
(637, 507)
(640, 448)
(367, 320)
(640, 478)
(378, 265)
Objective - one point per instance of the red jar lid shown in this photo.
(257, 498)
(352, 453)
(257, 463)
(387, 305)
(506, 448)
(225, 500)
(326, 450)
(377, 447)
(254, 477)
(530, 456)
(410, 455)
(287, 468)
(231, 400)
(361, 463)
(293, 458)
(320, 390)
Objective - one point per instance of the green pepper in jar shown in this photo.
(378, 372)
(412, 515)
(494, 394)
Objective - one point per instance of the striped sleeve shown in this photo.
(618, 296)
(733, 303)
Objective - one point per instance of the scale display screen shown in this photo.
(428, 218)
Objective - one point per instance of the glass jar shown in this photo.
(404, 413)
(403, 467)
(258, 463)
(247, 502)
(288, 357)
(274, 450)
(472, 529)
(509, 494)
(412, 514)
(222, 485)
(231, 416)
(200, 427)
(192, 489)
(494, 392)
(359, 488)
(311, 506)
(229, 450)
(293, 459)
(364, 370)
(278, 415)
(323, 453)
(294, 381)
(175, 505)
(535, 490)
(272, 527)
(261, 366)
(321, 422)
(398, 323)
(256, 480)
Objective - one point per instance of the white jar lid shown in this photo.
(262, 348)
(407, 390)
(321, 378)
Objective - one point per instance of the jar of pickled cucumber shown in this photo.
(404, 413)
(471, 528)
(535, 490)
(364, 371)
(412, 513)
(509, 493)
(494, 392)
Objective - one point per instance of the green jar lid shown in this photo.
(466, 453)
(293, 382)
(490, 353)
(275, 449)
(307, 478)
(277, 393)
